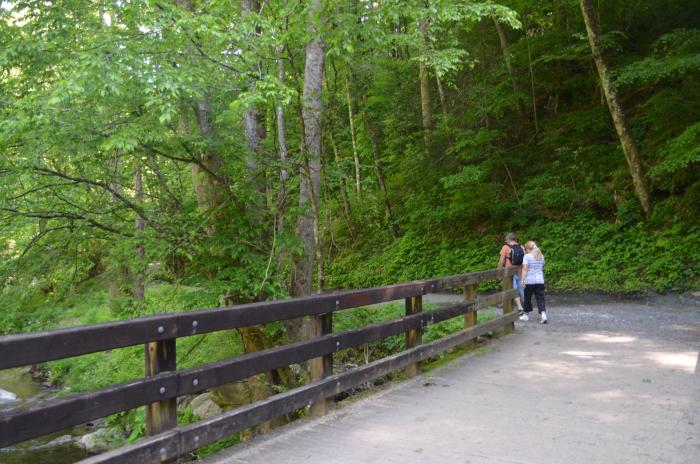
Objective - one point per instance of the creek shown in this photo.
(19, 389)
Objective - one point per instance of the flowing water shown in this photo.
(19, 389)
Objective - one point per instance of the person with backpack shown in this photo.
(512, 254)
(533, 280)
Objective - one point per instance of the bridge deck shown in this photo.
(602, 383)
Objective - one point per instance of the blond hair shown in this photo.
(531, 247)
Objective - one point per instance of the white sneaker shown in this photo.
(543, 317)
(524, 317)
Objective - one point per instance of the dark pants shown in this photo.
(538, 290)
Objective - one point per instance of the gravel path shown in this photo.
(606, 381)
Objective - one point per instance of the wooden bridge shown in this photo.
(439, 412)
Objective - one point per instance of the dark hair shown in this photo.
(511, 236)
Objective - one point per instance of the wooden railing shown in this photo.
(163, 383)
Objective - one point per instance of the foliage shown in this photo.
(132, 181)
(582, 254)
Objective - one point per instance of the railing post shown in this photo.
(322, 367)
(507, 302)
(160, 357)
(414, 305)
(470, 318)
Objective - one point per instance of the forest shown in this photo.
(170, 155)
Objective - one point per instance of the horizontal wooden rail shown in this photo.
(22, 424)
(174, 443)
(34, 348)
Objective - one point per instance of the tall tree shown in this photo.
(353, 135)
(503, 39)
(310, 181)
(424, 79)
(629, 146)
(139, 288)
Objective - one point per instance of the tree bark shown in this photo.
(139, 289)
(281, 128)
(254, 118)
(425, 104)
(281, 206)
(119, 271)
(208, 177)
(629, 147)
(509, 67)
(353, 136)
(532, 82)
(441, 94)
(309, 192)
(425, 100)
(254, 337)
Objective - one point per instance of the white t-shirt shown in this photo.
(535, 269)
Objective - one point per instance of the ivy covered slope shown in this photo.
(249, 150)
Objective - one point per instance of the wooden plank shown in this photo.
(161, 357)
(244, 366)
(414, 305)
(26, 349)
(210, 430)
(22, 424)
(159, 448)
(508, 304)
(34, 348)
(470, 318)
(17, 425)
(322, 366)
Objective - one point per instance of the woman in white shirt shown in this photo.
(533, 281)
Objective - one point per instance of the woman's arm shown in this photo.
(524, 273)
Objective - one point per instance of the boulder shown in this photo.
(204, 406)
(103, 440)
(61, 441)
(232, 395)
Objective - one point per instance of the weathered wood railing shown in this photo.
(163, 383)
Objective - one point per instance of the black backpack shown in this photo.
(516, 255)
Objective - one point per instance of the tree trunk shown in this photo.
(380, 179)
(629, 147)
(532, 82)
(254, 119)
(254, 337)
(281, 128)
(509, 67)
(309, 191)
(353, 136)
(443, 101)
(330, 129)
(119, 270)
(343, 188)
(425, 101)
(208, 177)
(139, 290)
(261, 386)
(281, 206)
(483, 62)
(425, 104)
